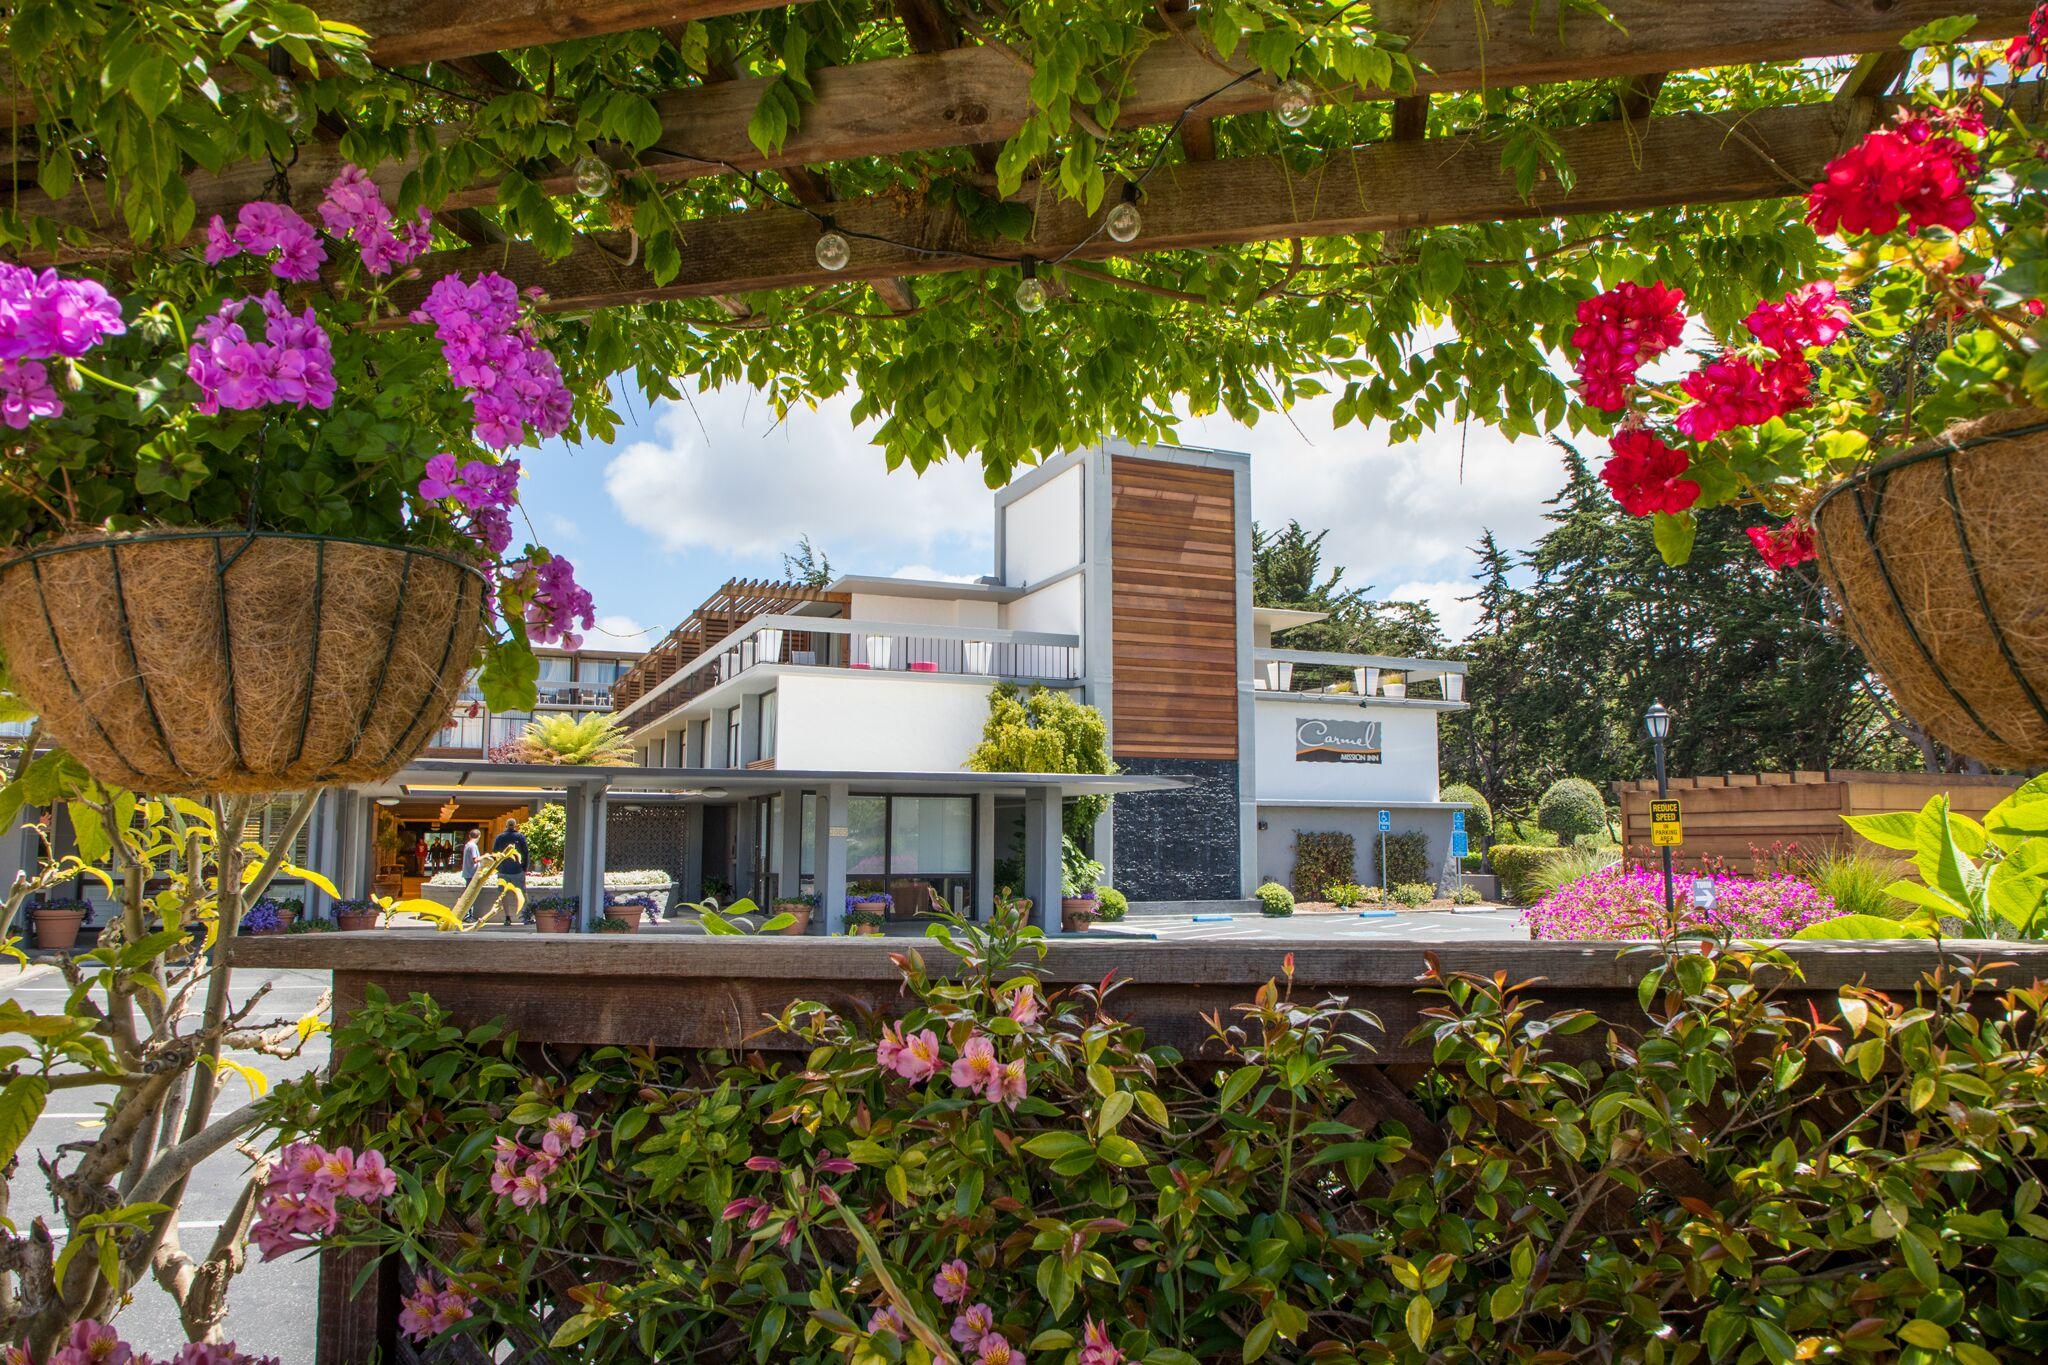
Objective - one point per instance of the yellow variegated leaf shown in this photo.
(310, 1024)
(308, 875)
(435, 913)
(258, 1083)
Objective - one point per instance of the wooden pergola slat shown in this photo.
(1619, 165)
(969, 96)
(404, 32)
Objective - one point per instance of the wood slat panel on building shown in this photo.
(1173, 601)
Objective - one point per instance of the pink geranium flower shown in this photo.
(1810, 315)
(1647, 476)
(1618, 332)
(1910, 174)
(1784, 545)
(950, 1284)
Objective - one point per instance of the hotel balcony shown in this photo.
(1359, 678)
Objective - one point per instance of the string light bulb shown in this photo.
(281, 101)
(593, 177)
(1295, 102)
(833, 250)
(1031, 294)
(1124, 221)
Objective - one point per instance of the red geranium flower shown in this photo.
(1618, 331)
(2030, 48)
(1734, 392)
(1783, 545)
(1912, 173)
(1646, 476)
(1810, 315)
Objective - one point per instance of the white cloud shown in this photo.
(1447, 600)
(620, 632)
(560, 528)
(1407, 513)
(752, 486)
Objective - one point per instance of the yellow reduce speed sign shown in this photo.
(1665, 830)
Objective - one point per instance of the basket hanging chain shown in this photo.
(1866, 518)
(2012, 664)
(227, 651)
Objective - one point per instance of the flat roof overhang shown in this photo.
(460, 776)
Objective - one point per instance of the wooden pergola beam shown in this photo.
(1619, 165)
(973, 95)
(405, 32)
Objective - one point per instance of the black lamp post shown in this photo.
(1657, 723)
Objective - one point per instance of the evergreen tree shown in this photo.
(807, 564)
(1287, 571)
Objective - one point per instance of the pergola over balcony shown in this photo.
(735, 603)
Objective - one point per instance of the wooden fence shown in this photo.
(1739, 818)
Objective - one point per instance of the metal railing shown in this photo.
(1363, 675)
(881, 647)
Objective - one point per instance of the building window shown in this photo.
(768, 725)
(694, 755)
(918, 849)
(732, 739)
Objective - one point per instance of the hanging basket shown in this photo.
(1939, 560)
(236, 661)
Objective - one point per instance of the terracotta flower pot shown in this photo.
(864, 930)
(801, 910)
(1939, 562)
(356, 921)
(57, 928)
(1078, 912)
(230, 661)
(554, 921)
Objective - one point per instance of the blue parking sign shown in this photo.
(1460, 844)
(1457, 822)
(1386, 821)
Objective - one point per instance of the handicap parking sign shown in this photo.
(1386, 821)
(1457, 822)
(1460, 844)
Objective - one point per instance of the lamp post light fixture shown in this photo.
(1657, 724)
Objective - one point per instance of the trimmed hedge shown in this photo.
(1516, 865)
(1114, 904)
(1572, 810)
(1322, 859)
(1275, 900)
(1407, 858)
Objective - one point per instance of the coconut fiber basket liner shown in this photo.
(238, 661)
(1939, 560)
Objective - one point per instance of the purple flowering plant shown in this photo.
(273, 376)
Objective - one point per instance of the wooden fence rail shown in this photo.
(1741, 818)
(691, 993)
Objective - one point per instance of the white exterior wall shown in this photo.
(873, 723)
(1042, 532)
(1056, 609)
(1407, 770)
(923, 611)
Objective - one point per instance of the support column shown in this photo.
(750, 733)
(746, 841)
(835, 807)
(574, 852)
(583, 851)
(984, 855)
(790, 844)
(323, 850)
(1042, 857)
(593, 908)
(692, 889)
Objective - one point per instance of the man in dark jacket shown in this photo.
(512, 872)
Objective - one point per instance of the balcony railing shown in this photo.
(879, 647)
(1363, 675)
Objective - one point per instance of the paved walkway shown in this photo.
(1434, 926)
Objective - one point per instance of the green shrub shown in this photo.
(1115, 904)
(1322, 858)
(1478, 819)
(1275, 899)
(1371, 895)
(1472, 862)
(1343, 895)
(1412, 894)
(1466, 895)
(1572, 810)
(1407, 858)
(1525, 833)
(1873, 1217)
(1515, 864)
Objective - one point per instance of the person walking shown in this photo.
(472, 854)
(512, 872)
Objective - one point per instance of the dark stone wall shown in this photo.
(637, 837)
(1178, 845)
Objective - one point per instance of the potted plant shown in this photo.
(290, 909)
(627, 907)
(1885, 417)
(253, 542)
(1079, 873)
(866, 912)
(798, 908)
(554, 914)
(612, 924)
(354, 916)
(979, 655)
(56, 922)
(266, 916)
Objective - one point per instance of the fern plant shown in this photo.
(593, 740)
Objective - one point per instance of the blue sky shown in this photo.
(694, 493)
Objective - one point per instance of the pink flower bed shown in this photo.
(1619, 902)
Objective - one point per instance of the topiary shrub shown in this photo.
(1114, 904)
(1413, 894)
(1572, 810)
(1275, 900)
(1479, 818)
(1322, 858)
(1407, 858)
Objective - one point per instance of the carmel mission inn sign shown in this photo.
(1336, 741)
